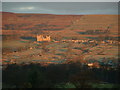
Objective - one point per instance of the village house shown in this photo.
(95, 64)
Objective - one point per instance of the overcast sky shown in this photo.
(61, 7)
(60, 0)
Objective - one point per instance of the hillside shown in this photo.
(19, 37)
(63, 24)
(36, 21)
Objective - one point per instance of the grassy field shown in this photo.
(28, 51)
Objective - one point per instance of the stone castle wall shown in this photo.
(42, 38)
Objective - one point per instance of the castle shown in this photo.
(42, 38)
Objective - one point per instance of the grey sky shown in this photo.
(61, 7)
(60, 0)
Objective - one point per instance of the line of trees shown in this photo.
(38, 76)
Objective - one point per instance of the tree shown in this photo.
(82, 79)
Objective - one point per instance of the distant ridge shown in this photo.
(57, 14)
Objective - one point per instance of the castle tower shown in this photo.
(39, 38)
(48, 38)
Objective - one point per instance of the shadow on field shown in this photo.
(53, 75)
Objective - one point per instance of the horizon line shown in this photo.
(54, 14)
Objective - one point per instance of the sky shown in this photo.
(75, 8)
(60, 0)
